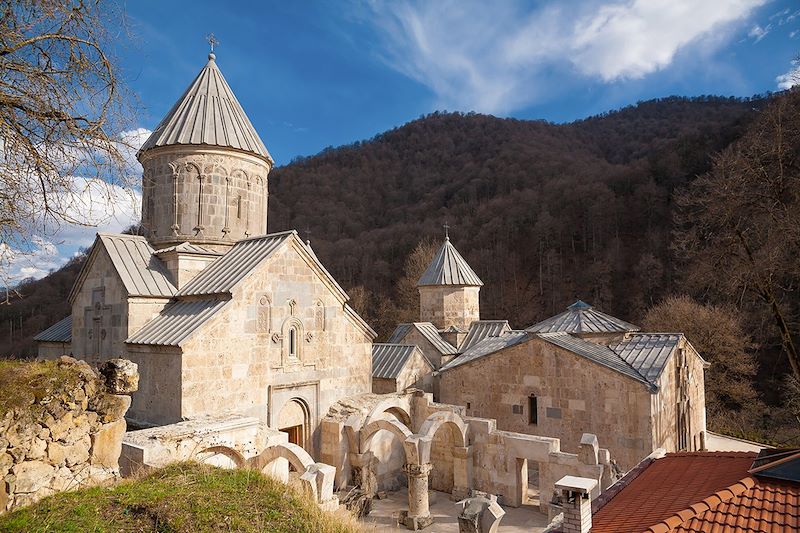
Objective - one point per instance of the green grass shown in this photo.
(183, 497)
(23, 384)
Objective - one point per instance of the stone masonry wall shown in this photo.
(573, 396)
(68, 435)
(229, 188)
(446, 306)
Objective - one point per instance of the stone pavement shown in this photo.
(445, 515)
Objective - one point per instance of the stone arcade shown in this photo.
(251, 357)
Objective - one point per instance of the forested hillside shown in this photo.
(544, 213)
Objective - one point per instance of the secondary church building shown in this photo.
(581, 371)
(219, 316)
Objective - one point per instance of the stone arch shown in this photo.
(298, 458)
(394, 406)
(392, 426)
(446, 432)
(454, 422)
(294, 418)
(235, 457)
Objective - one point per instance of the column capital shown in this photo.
(417, 470)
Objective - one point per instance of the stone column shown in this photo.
(462, 472)
(363, 465)
(418, 515)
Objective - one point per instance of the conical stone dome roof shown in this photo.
(449, 268)
(208, 113)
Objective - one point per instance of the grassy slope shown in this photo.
(184, 497)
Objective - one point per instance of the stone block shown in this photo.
(112, 407)
(120, 376)
(32, 476)
(107, 444)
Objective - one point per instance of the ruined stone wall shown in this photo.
(449, 306)
(573, 396)
(68, 436)
(205, 195)
(241, 361)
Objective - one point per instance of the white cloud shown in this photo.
(758, 33)
(95, 206)
(493, 56)
(791, 78)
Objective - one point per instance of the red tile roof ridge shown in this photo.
(708, 504)
(713, 454)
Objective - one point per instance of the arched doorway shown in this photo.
(294, 419)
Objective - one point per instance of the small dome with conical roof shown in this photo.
(208, 113)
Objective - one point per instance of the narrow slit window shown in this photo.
(533, 411)
(239, 207)
(292, 342)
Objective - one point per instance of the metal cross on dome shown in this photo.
(212, 41)
(446, 227)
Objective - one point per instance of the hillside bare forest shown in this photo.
(601, 209)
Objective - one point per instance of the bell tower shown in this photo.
(449, 291)
(205, 169)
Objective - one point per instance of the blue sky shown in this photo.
(317, 74)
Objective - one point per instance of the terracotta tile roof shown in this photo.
(670, 486)
(767, 506)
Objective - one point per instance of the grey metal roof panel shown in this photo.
(222, 276)
(599, 353)
(580, 317)
(208, 113)
(399, 333)
(142, 273)
(188, 248)
(481, 329)
(61, 331)
(488, 346)
(449, 268)
(430, 332)
(176, 322)
(648, 353)
(388, 360)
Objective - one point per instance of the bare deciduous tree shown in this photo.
(62, 108)
(739, 224)
(717, 334)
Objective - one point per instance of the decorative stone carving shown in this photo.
(309, 336)
(277, 337)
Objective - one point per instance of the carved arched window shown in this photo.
(291, 336)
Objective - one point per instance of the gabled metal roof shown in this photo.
(188, 248)
(428, 331)
(581, 317)
(176, 322)
(140, 270)
(648, 353)
(61, 331)
(449, 268)
(388, 360)
(223, 274)
(399, 333)
(488, 346)
(481, 329)
(208, 113)
(599, 353)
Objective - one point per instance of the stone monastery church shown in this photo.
(249, 353)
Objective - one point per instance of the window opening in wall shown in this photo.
(468, 405)
(533, 410)
(292, 342)
(516, 409)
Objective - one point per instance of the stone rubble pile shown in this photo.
(71, 439)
